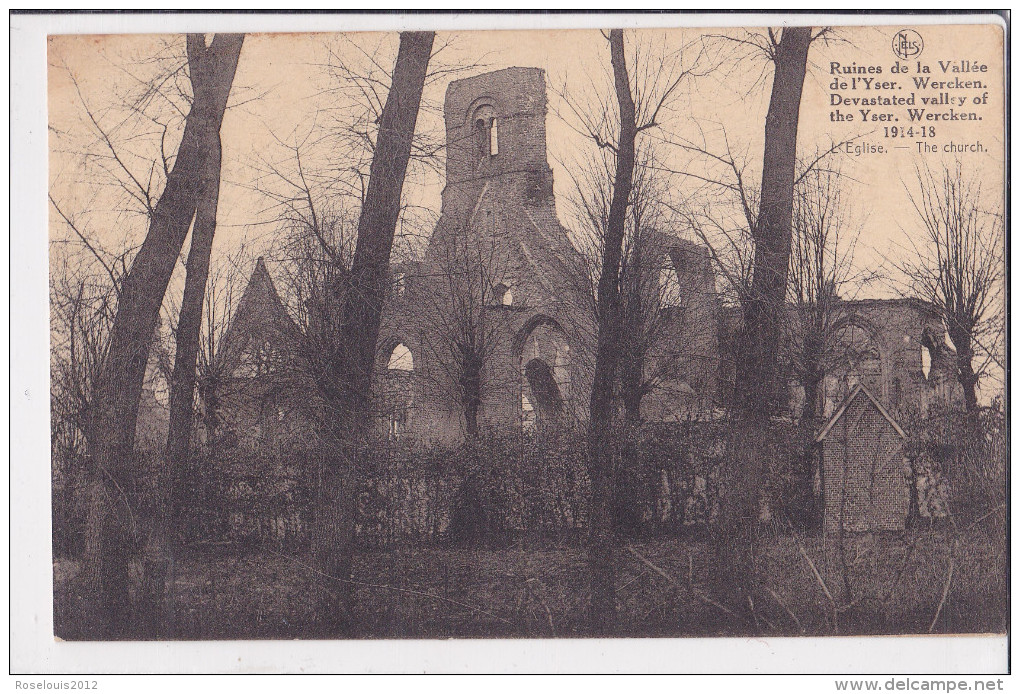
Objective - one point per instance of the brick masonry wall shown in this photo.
(863, 470)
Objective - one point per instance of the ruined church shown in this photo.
(494, 325)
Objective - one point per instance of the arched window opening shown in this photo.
(400, 359)
(399, 283)
(259, 358)
(544, 391)
(395, 394)
(482, 137)
(502, 295)
(670, 295)
(545, 372)
(486, 131)
(865, 367)
(855, 359)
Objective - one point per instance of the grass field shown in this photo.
(664, 587)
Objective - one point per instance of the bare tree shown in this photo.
(194, 341)
(643, 297)
(638, 108)
(747, 225)
(600, 542)
(315, 227)
(162, 543)
(112, 427)
(958, 266)
(663, 327)
(338, 225)
(82, 305)
(466, 311)
(327, 158)
(756, 262)
(822, 277)
(224, 289)
(189, 324)
(347, 381)
(757, 366)
(315, 180)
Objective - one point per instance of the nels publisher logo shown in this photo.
(907, 43)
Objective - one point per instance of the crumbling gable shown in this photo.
(260, 395)
(260, 325)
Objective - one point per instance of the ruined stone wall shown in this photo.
(897, 328)
(683, 361)
(499, 265)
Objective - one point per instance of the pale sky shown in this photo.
(284, 72)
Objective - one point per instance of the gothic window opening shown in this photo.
(396, 392)
(856, 359)
(260, 358)
(545, 373)
(399, 283)
(486, 127)
(400, 359)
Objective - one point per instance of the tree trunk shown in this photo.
(763, 309)
(350, 368)
(333, 537)
(471, 386)
(737, 531)
(804, 475)
(965, 371)
(163, 539)
(758, 390)
(633, 335)
(471, 417)
(630, 383)
(602, 614)
(112, 429)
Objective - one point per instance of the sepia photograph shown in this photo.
(673, 332)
